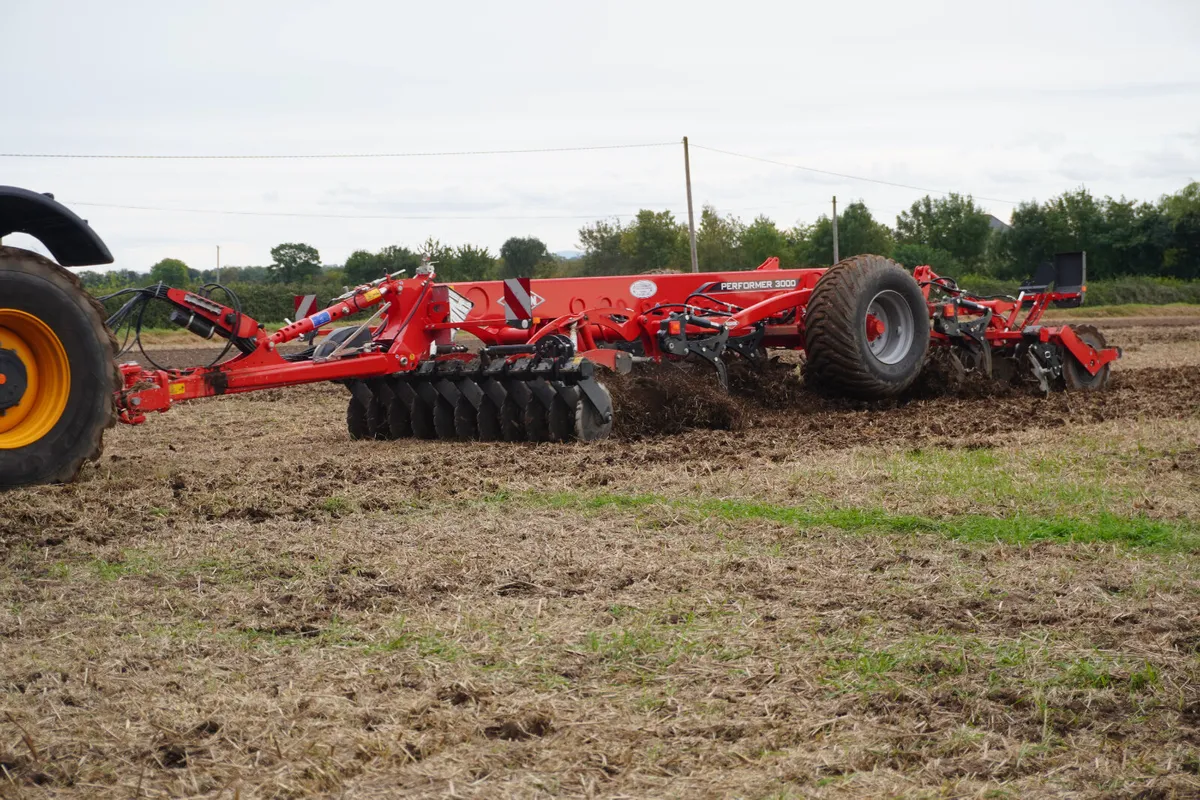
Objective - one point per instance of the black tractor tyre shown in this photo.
(841, 356)
(38, 287)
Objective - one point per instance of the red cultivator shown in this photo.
(509, 360)
(530, 370)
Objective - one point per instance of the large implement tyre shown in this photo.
(866, 329)
(58, 373)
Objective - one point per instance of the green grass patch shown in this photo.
(1031, 666)
(1020, 528)
(1081, 480)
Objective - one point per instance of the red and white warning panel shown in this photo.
(306, 304)
(518, 300)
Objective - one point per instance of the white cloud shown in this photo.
(1022, 100)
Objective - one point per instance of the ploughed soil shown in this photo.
(239, 601)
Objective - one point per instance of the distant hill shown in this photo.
(569, 255)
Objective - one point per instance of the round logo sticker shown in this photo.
(643, 289)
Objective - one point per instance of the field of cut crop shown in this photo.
(957, 595)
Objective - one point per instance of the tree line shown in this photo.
(952, 234)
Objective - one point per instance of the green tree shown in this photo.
(1074, 220)
(916, 255)
(439, 255)
(718, 241)
(521, 254)
(170, 271)
(760, 240)
(858, 233)
(395, 258)
(294, 262)
(952, 224)
(237, 275)
(654, 241)
(470, 263)
(601, 245)
(1133, 240)
(361, 267)
(1181, 210)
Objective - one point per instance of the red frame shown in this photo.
(593, 311)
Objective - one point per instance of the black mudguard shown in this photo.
(68, 237)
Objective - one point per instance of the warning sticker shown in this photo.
(178, 389)
(371, 296)
(321, 318)
(460, 307)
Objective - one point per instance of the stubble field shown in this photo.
(953, 596)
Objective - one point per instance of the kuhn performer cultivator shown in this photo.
(516, 360)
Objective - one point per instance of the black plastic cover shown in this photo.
(68, 237)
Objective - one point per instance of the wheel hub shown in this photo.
(875, 327)
(890, 325)
(14, 380)
(35, 379)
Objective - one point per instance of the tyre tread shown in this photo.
(834, 358)
(16, 259)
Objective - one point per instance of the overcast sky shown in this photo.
(1009, 101)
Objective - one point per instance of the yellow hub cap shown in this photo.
(47, 379)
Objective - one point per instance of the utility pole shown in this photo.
(687, 174)
(835, 238)
(218, 263)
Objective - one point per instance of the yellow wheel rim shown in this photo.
(47, 379)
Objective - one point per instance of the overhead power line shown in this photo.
(315, 156)
(453, 153)
(317, 215)
(226, 212)
(845, 175)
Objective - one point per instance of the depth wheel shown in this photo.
(57, 372)
(1075, 375)
(592, 423)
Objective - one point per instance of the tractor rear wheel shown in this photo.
(58, 373)
(866, 328)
